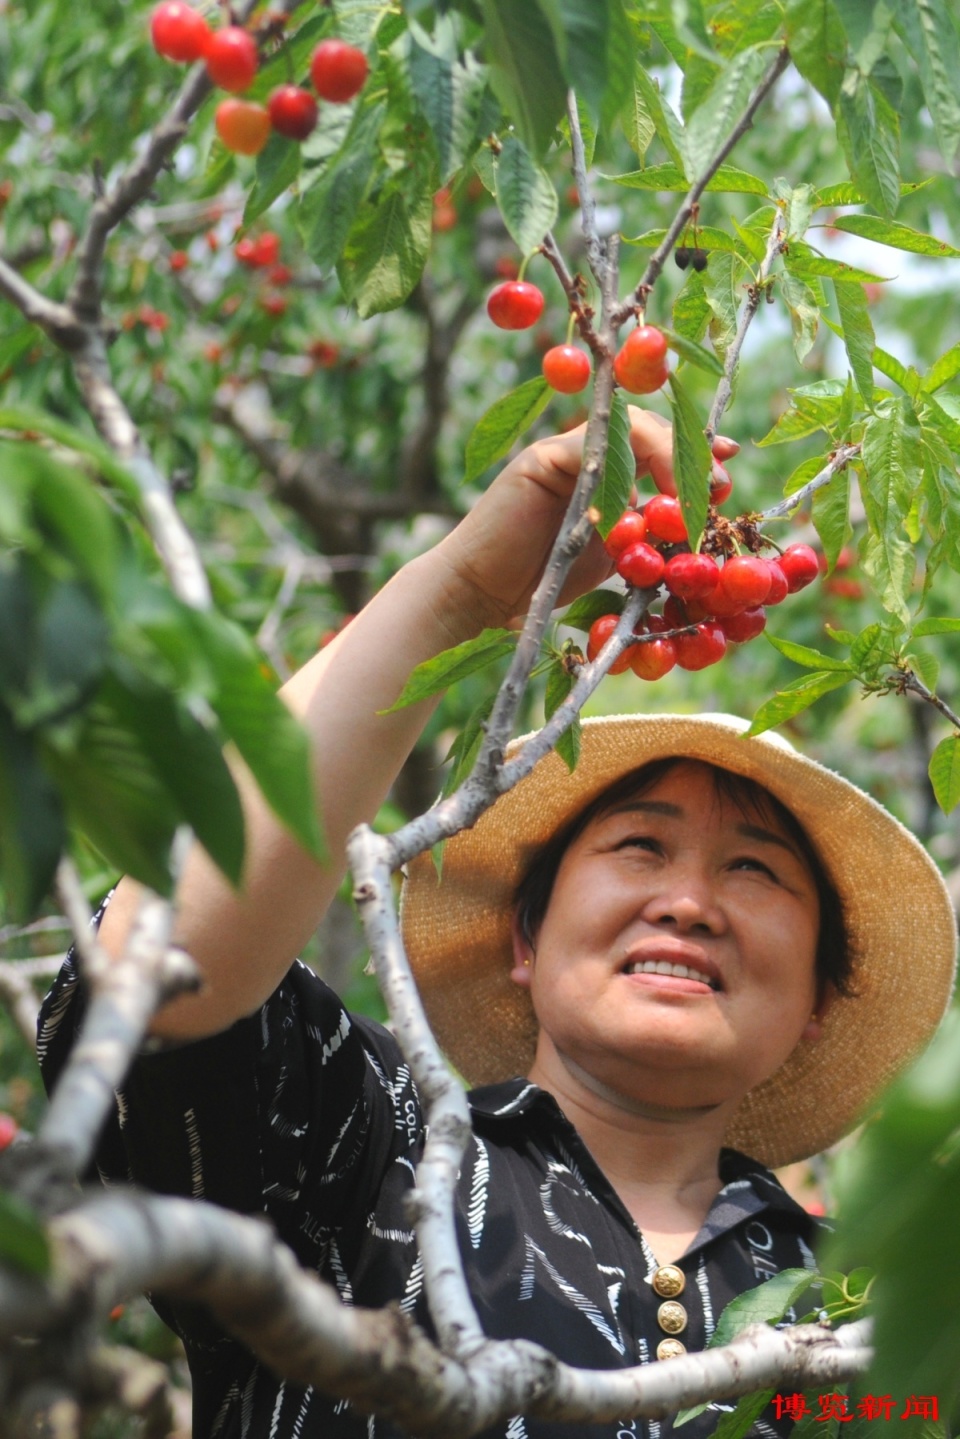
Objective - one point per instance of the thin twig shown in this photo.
(908, 679)
(596, 255)
(838, 461)
(682, 217)
(56, 320)
(732, 358)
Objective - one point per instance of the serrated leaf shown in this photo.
(619, 470)
(806, 265)
(721, 283)
(811, 659)
(897, 236)
(386, 249)
(581, 35)
(807, 470)
(691, 309)
(936, 625)
(890, 456)
(638, 126)
(795, 697)
(668, 127)
(858, 336)
(830, 512)
(496, 432)
(817, 44)
(804, 313)
(872, 649)
(799, 203)
(765, 1304)
(278, 166)
(329, 206)
(944, 773)
(25, 417)
(448, 90)
(722, 107)
(890, 562)
(23, 1242)
(32, 828)
(890, 366)
(728, 180)
(869, 131)
(692, 461)
(594, 605)
(947, 367)
(559, 685)
(711, 239)
(804, 416)
(525, 195)
(931, 37)
(463, 752)
(926, 667)
(444, 670)
(693, 353)
(525, 68)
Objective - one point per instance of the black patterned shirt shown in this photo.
(308, 1114)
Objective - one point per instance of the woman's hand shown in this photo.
(500, 548)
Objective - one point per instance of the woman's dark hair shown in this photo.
(834, 957)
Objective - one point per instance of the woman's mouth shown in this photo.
(673, 970)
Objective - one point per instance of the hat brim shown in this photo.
(898, 911)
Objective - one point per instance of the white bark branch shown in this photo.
(838, 461)
(732, 359)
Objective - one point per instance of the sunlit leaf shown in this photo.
(496, 432)
(445, 669)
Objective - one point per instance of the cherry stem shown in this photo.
(525, 262)
(570, 326)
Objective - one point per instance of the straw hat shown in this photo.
(901, 923)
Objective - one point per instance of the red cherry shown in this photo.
(705, 646)
(243, 126)
(800, 565)
(745, 626)
(664, 519)
(629, 530)
(231, 58)
(179, 260)
(266, 249)
(567, 369)
(338, 70)
(640, 365)
(653, 659)
(600, 632)
(745, 580)
(779, 587)
(178, 32)
(213, 241)
(690, 577)
(273, 305)
(507, 268)
(246, 252)
(675, 614)
(9, 1129)
(293, 112)
(641, 565)
(516, 305)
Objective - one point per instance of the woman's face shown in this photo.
(675, 962)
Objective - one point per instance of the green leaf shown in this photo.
(722, 107)
(830, 512)
(445, 669)
(23, 1242)
(386, 249)
(692, 461)
(32, 829)
(805, 264)
(810, 659)
(668, 127)
(807, 470)
(858, 336)
(24, 417)
(712, 240)
(581, 34)
(559, 685)
(869, 131)
(593, 606)
(448, 90)
(693, 353)
(846, 193)
(728, 180)
(936, 626)
(741, 1418)
(638, 126)
(872, 650)
(897, 236)
(278, 166)
(525, 195)
(795, 697)
(804, 313)
(926, 667)
(525, 68)
(612, 494)
(806, 414)
(944, 773)
(273, 744)
(329, 207)
(799, 201)
(462, 754)
(501, 426)
(765, 1304)
(931, 38)
(890, 455)
(943, 370)
(721, 284)
(818, 45)
(68, 639)
(890, 366)
(890, 561)
(691, 309)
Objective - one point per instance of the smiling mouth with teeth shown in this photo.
(678, 971)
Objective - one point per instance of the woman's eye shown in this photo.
(639, 841)
(748, 862)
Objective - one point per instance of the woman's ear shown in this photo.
(813, 1029)
(523, 953)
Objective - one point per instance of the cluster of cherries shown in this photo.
(712, 604)
(338, 72)
(640, 365)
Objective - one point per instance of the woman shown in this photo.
(657, 962)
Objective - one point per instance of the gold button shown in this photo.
(672, 1317)
(670, 1349)
(668, 1281)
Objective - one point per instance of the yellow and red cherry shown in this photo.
(600, 632)
(653, 659)
(567, 369)
(243, 126)
(515, 305)
(640, 365)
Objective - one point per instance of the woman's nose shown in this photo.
(685, 902)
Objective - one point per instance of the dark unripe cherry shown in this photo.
(293, 111)
(515, 305)
(641, 565)
(653, 659)
(664, 518)
(600, 632)
(800, 565)
(338, 70)
(640, 365)
(705, 646)
(567, 369)
(745, 580)
(179, 32)
(629, 530)
(690, 577)
(745, 626)
(231, 58)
